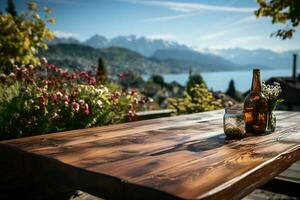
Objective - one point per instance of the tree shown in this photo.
(193, 80)
(232, 92)
(281, 11)
(158, 79)
(101, 71)
(22, 37)
(11, 8)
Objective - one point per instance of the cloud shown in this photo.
(63, 34)
(229, 28)
(67, 2)
(217, 34)
(248, 39)
(245, 20)
(162, 37)
(168, 18)
(192, 7)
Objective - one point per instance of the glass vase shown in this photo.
(233, 123)
(271, 123)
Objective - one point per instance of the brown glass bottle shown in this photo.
(255, 107)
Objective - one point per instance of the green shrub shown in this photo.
(194, 79)
(199, 99)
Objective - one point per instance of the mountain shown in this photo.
(83, 57)
(97, 41)
(62, 40)
(142, 45)
(207, 62)
(258, 57)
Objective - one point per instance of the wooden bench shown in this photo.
(183, 157)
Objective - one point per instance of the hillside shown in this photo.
(208, 62)
(77, 56)
(82, 57)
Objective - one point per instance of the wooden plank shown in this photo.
(184, 157)
(75, 137)
(152, 114)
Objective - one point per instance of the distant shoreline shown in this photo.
(218, 81)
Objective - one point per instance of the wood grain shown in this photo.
(183, 157)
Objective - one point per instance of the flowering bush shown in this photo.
(35, 100)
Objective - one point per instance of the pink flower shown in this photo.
(132, 93)
(85, 109)
(59, 94)
(53, 98)
(121, 76)
(42, 101)
(117, 94)
(66, 103)
(2, 77)
(31, 67)
(81, 102)
(73, 76)
(45, 81)
(92, 81)
(13, 76)
(66, 98)
(130, 115)
(43, 61)
(75, 106)
(45, 94)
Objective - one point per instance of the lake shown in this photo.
(218, 81)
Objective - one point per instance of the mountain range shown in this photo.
(143, 45)
(119, 59)
(149, 56)
(257, 57)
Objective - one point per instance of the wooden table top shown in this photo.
(183, 157)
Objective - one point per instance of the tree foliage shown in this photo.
(281, 11)
(11, 9)
(158, 79)
(194, 79)
(232, 92)
(22, 36)
(101, 71)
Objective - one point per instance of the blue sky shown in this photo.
(199, 24)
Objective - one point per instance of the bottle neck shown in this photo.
(256, 86)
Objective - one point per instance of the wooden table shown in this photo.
(184, 157)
